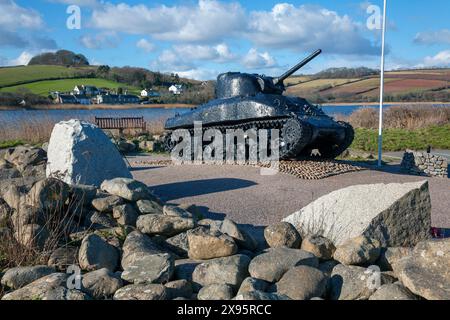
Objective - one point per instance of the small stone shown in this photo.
(128, 189)
(19, 277)
(125, 215)
(136, 246)
(274, 262)
(48, 194)
(63, 257)
(142, 292)
(206, 244)
(302, 283)
(242, 238)
(394, 291)
(388, 256)
(150, 268)
(179, 288)
(228, 270)
(174, 211)
(106, 203)
(101, 284)
(149, 207)
(51, 287)
(184, 268)
(252, 284)
(358, 251)
(152, 224)
(282, 234)
(319, 246)
(96, 220)
(96, 253)
(215, 292)
(259, 295)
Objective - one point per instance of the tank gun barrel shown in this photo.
(299, 65)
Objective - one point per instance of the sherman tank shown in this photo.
(245, 101)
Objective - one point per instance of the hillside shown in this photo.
(408, 85)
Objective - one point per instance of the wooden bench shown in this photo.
(121, 123)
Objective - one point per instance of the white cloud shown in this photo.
(14, 17)
(433, 37)
(258, 60)
(306, 28)
(209, 20)
(82, 3)
(100, 40)
(441, 59)
(199, 74)
(145, 45)
(219, 53)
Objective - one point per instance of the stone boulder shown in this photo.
(228, 270)
(282, 234)
(426, 271)
(260, 295)
(302, 283)
(395, 214)
(388, 256)
(394, 291)
(32, 235)
(101, 284)
(358, 251)
(149, 207)
(158, 224)
(19, 277)
(251, 284)
(137, 246)
(142, 292)
(215, 292)
(51, 287)
(48, 194)
(125, 215)
(127, 189)
(274, 262)
(205, 243)
(96, 253)
(63, 257)
(23, 157)
(150, 268)
(106, 203)
(242, 238)
(81, 153)
(179, 289)
(319, 246)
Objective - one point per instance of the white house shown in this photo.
(145, 92)
(176, 89)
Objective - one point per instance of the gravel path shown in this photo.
(242, 194)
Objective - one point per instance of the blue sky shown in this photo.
(202, 38)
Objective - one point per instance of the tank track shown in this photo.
(285, 153)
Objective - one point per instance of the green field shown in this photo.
(45, 87)
(15, 75)
(400, 139)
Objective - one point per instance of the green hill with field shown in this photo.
(406, 85)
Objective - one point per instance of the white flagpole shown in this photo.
(380, 122)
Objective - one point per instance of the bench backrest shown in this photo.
(121, 123)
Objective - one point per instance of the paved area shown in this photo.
(242, 194)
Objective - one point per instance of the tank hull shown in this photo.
(322, 130)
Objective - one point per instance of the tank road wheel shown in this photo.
(294, 136)
(168, 143)
(332, 150)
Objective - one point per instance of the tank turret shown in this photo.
(236, 84)
(251, 101)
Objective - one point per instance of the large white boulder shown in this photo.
(81, 153)
(395, 214)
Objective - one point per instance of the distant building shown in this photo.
(85, 90)
(66, 99)
(176, 89)
(149, 93)
(117, 99)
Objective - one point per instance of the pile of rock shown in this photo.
(143, 143)
(22, 162)
(424, 164)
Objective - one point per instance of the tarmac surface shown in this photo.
(241, 193)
